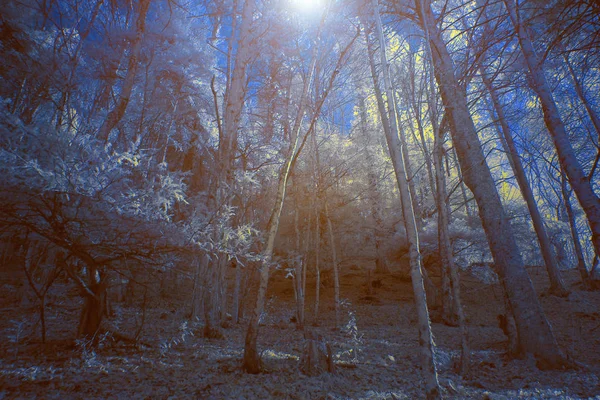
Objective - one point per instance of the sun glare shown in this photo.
(307, 6)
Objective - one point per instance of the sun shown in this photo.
(308, 6)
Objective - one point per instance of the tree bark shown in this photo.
(298, 271)
(116, 114)
(534, 330)
(578, 180)
(456, 311)
(93, 306)
(317, 262)
(581, 94)
(334, 261)
(305, 266)
(416, 107)
(386, 122)
(381, 265)
(237, 290)
(228, 138)
(251, 358)
(398, 161)
(581, 267)
(197, 292)
(445, 244)
(557, 286)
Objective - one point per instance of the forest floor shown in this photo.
(379, 349)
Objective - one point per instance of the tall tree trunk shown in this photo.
(237, 291)
(408, 166)
(461, 182)
(534, 330)
(223, 292)
(298, 270)
(456, 311)
(557, 286)
(236, 91)
(416, 107)
(305, 259)
(581, 94)
(228, 137)
(580, 183)
(251, 358)
(212, 328)
(115, 115)
(334, 261)
(331, 243)
(387, 128)
(318, 200)
(197, 290)
(375, 201)
(398, 161)
(581, 267)
(443, 207)
(317, 268)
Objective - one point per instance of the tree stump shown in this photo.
(316, 356)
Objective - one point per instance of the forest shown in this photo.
(300, 199)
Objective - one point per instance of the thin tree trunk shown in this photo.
(386, 123)
(212, 328)
(305, 267)
(534, 330)
(228, 134)
(321, 198)
(251, 357)
(317, 264)
(66, 93)
(445, 245)
(196, 291)
(236, 91)
(461, 184)
(297, 276)
(398, 161)
(417, 112)
(581, 267)
(336, 276)
(580, 183)
(237, 290)
(581, 94)
(447, 258)
(30, 266)
(381, 265)
(408, 166)
(557, 286)
(116, 114)
(223, 293)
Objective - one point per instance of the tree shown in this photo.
(251, 358)
(397, 154)
(557, 285)
(535, 333)
(579, 181)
